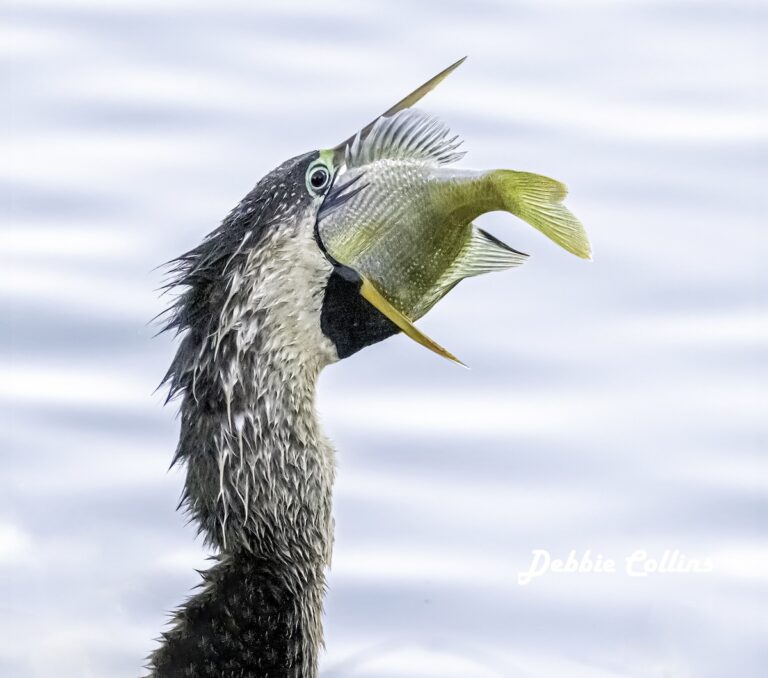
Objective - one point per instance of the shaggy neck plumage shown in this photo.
(259, 471)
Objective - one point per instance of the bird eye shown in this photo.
(318, 178)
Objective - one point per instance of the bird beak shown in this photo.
(406, 102)
(369, 292)
(367, 289)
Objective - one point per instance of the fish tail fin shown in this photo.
(537, 200)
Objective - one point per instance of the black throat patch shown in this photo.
(347, 319)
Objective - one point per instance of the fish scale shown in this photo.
(400, 244)
(408, 228)
(396, 222)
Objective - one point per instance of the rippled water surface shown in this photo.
(611, 406)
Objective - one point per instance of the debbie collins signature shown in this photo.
(639, 563)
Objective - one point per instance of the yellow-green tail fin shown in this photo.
(538, 200)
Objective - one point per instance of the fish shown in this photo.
(399, 212)
(406, 223)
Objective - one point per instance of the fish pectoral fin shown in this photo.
(538, 200)
(369, 292)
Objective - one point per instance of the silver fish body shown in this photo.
(402, 216)
(408, 230)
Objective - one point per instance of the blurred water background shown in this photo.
(611, 406)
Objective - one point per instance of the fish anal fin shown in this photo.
(483, 253)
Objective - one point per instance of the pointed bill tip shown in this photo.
(372, 295)
(405, 102)
(420, 92)
(436, 348)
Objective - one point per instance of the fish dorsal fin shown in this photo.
(405, 102)
(409, 134)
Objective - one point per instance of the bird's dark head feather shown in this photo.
(282, 208)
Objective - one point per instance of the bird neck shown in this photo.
(259, 477)
(249, 620)
(259, 470)
(259, 481)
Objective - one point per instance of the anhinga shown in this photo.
(283, 287)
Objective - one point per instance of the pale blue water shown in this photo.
(611, 406)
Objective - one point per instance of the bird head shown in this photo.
(335, 250)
